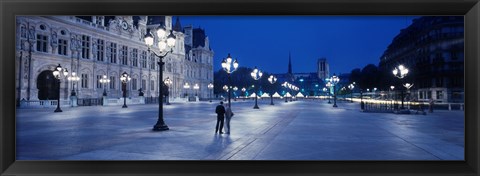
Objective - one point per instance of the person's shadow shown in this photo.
(218, 144)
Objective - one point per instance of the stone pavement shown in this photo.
(300, 130)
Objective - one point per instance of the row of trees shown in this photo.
(241, 78)
(372, 76)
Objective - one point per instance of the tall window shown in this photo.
(62, 47)
(23, 31)
(100, 49)
(143, 59)
(112, 82)
(135, 57)
(152, 85)
(42, 43)
(84, 81)
(144, 84)
(112, 52)
(152, 61)
(99, 84)
(85, 47)
(134, 84)
(439, 94)
(124, 55)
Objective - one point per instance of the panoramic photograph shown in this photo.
(323, 88)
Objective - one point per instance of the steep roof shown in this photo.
(177, 27)
(198, 37)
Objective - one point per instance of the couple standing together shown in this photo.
(223, 113)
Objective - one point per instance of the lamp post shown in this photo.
(391, 94)
(164, 42)
(225, 88)
(168, 82)
(272, 79)
(324, 91)
(74, 78)
(285, 84)
(400, 72)
(124, 78)
(229, 67)
(334, 80)
(104, 80)
(256, 75)
(351, 86)
(329, 85)
(362, 105)
(290, 87)
(244, 94)
(210, 87)
(56, 73)
(186, 86)
(235, 93)
(408, 86)
(196, 87)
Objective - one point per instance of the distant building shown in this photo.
(323, 70)
(433, 50)
(93, 46)
(310, 84)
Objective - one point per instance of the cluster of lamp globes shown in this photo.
(290, 86)
(400, 72)
(163, 41)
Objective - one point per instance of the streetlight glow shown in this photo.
(162, 46)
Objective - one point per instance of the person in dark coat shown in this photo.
(220, 110)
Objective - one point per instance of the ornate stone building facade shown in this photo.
(93, 46)
(433, 50)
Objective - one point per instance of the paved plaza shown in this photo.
(299, 130)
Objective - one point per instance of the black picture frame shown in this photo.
(469, 8)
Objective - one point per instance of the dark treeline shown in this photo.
(241, 78)
(372, 76)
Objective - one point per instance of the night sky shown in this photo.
(347, 42)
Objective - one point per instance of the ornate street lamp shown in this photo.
(57, 75)
(104, 80)
(74, 78)
(400, 72)
(225, 88)
(244, 94)
(229, 67)
(391, 94)
(285, 84)
(210, 87)
(186, 86)
(272, 79)
(329, 85)
(334, 80)
(196, 87)
(164, 43)
(235, 93)
(256, 75)
(124, 78)
(408, 86)
(324, 91)
(351, 86)
(168, 82)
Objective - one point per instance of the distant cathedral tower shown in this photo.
(323, 69)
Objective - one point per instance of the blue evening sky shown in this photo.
(347, 42)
